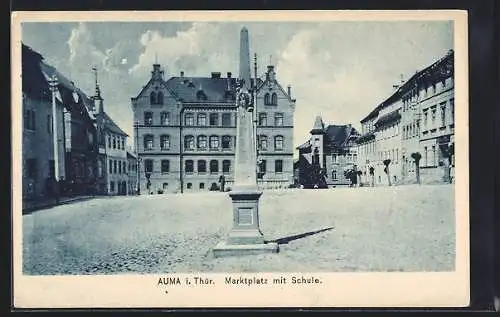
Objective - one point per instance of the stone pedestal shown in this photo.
(245, 237)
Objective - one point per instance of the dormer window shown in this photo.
(274, 99)
(200, 95)
(152, 98)
(267, 99)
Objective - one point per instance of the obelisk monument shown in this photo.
(245, 236)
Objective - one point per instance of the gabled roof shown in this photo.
(104, 120)
(202, 89)
(338, 135)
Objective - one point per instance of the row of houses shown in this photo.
(90, 156)
(415, 121)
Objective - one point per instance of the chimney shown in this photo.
(289, 89)
(182, 73)
(229, 74)
(215, 74)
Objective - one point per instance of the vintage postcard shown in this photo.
(240, 159)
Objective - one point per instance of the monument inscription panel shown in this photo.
(245, 216)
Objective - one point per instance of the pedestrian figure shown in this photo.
(222, 181)
(372, 176)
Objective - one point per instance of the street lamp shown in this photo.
(138, 159)
(53, 82)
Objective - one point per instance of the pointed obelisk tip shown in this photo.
(244, 29)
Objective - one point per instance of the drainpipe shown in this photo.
(181, 177)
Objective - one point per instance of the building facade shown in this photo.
(185, 132)
(418, 118)
(38, 165)
(334, 148)
(112, 161)
(132, 173)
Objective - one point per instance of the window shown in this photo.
(109, 141)
(31, 168)
(125, 167)
(189, 119)
(263, 142)
(115, 166)
(99, 168)
(202, 166)
(111, 186)
(165, 186)
(148, 142)
(274, 99)
(226, 142)
(202, 119)
(148, 118)
(397, 156)
(152, 98)
(263, 166)
(434, 156)
(189, 166)
(49, 124)
(165, 118)
(425, 119)
(433, 117)
(214, 166)
(189, 142)
(202, 185)
(148, 166)
(202, 142)
(278, 166)
(334, 175)
(165, 166)
(278, 143)
(262, 119)
(278, 119)
(29, 120)
(159, 98)
(334, 158)
(119, 167)
(114, 142)
(164, 142)
(426, 162)
(226, 119)
(110, 166)
(123, 143)
(267, 100)
(189, 185)
(443, 114)
(214, 119)
(226, 166)
(214, 142)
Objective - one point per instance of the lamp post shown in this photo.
(53, 82)
(138, 161)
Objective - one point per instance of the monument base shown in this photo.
(224, 249)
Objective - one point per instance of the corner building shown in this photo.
(185, 132)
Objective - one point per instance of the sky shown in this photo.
(340, 70)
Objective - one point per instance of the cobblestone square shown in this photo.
(400, 228)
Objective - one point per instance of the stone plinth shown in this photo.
(245, 237)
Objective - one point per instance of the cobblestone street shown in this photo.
(401, 228)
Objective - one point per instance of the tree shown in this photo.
(387, 162)
(416, 157)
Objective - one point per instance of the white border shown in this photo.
(337, 290)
